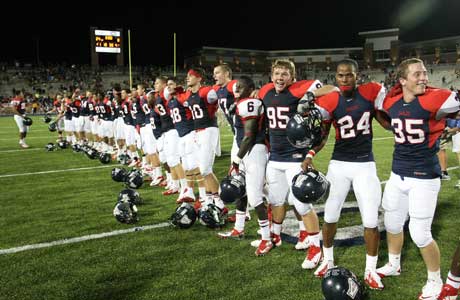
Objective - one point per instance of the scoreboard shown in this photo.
(107, 41)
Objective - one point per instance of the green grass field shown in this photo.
(40, 205)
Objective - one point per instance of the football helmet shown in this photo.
(105, 158)
(123, 159)
(46, 119)
(233, 188)
(310, 186)
(27, 121)
(134, 179)
(91, 153)
(119, 174)
(305, 132)
(341, 284)
(125, 212)
(184, 216)
(129, 195)
(52, 127)
(63, 144)
(212, 216)
(50, 147)
(76, 148)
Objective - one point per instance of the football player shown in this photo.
(280, 99)
(352, 164)
(19, 109)
(250, 133)
(417, 114)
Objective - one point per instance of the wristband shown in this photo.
(237, 160)
(311, 154)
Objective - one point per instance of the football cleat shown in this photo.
(373, 280)
(234, 234)
(186, 196)
(171, 192)
(323, 267)
(303, 242)
(232, 218)
(276, 241)
(157, 181)
(264, 247)
(314, 255)
(431, 290)
(388, 270)
(448, 292)
(23, 145)
(135, 163)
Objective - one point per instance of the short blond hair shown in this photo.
(286, 64)
(403, 67)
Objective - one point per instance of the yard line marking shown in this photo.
(56, 171)
(81, 238)
(21, 150)
(29, 137)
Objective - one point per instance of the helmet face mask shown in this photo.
(341, 284)
(310, 186)
(63, 144)
(305, 132)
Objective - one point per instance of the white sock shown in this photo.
(435, 276)
(158, 171)
(314, 239)
(453, 281)
(183, 183)
(395, 259)
(328, 253)
(175, 183)
(276, 228)
(301, 226)
(371, 262)
(240, 219)
(202, 191)
(264, 229)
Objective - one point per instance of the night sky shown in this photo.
(62, 33)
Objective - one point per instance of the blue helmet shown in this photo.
(310, 186)
(305, 132)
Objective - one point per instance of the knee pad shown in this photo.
(393, 222)
(173, 161)
(205, 170)
(371, 221)
(302, 208)
(332, 211)
(420, 231)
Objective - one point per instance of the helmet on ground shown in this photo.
(46, 119)
(129, 195)
(184, 216)
(50, 147)
(341, 284)
(134, 179)
(125, 212)
(105, 158)
(63, 144)
(119, 174)
(212, 216)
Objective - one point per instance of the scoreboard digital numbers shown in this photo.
(107, 41)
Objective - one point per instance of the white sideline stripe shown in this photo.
(56, 171)
(29, 138)
(81, 238)
(20, 150)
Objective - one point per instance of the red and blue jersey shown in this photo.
(203, 106)
(352, 119)
(417, 126)
(280, 107)
(161, 105)
(181, 115)
(19, 104)
(246, 109)
(226, 98)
